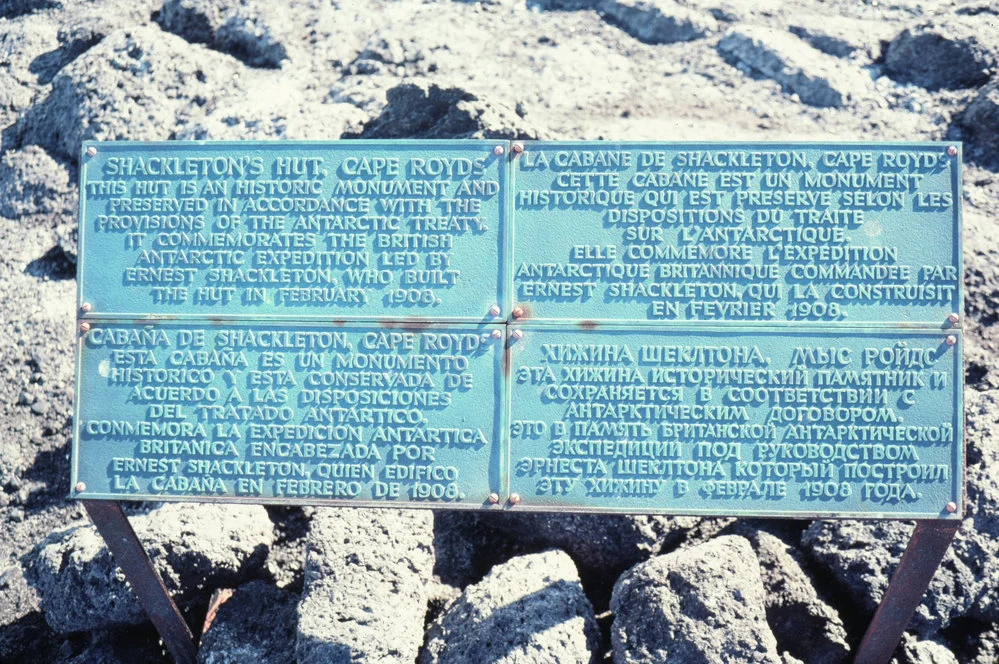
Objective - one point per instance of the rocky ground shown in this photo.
(326, 585)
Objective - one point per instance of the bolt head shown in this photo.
(951, 340)
(518, 334)
(952, 150)
(518, 147)
(495, 310)
(91, 151)
(86, 307)
(80, 487)
(499, 150)
(951, 507)
(514, 498)
(84, 327)
(518, 312)
(496, 334)
(494, 498)
(953, 318)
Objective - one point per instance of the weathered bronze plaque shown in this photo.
(741, 421)
(652, 232)
(301, 230)
(739, 329)
(279, 412)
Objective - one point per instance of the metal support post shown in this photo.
(927, 546)
(130, 555)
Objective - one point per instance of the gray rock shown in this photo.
(67, 239)
(256, 624)
(734, 11)
(915, 651)
(841, 36)
(801, 621)
(609, 543)
(981, 297)
(422, 110)
(195, 549)
(279, 115)
(986, 646)
(529, 609)
(147, 77)
(21, 618)
(958, 49)
(702, 604)
(981, 119)
(20, 46)
(120, 646)
(32, 182)
(243, 29)
(366, 586)
(977, 545)
(818, 79)
(658, 21)
(602, 546)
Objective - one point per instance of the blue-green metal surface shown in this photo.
(816, 255)
(347, 230)
(740, 422)
(859, 233)
(363, 414)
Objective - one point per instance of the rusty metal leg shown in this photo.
(930, 541)
(130, 555)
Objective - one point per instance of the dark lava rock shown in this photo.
(818, 79)
(702, 604)
(601, 545)
(146, 78)
(914, 651)
(981, 119)
(32, 182)
(21, 618)
(195, 549)
(256, 624)
(426, 110)
(658, 21)
(959, 49)
(242, 29)
(530, 609)
(367, 573)
(803, 623)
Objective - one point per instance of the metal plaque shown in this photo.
(346, 230)
(364, 414)
(670, 232)
(707, 329)
(737, 422)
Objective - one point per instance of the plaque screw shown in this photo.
(954, 318)
(86, 307)
(952, 151)
(494, 498)
(496, 334)
(952, 507)
(514, 498)
(951, 340)
(518, 334)
(495, 310)
(91, 151)
(84, 326)
(518, 312)
(80, 487)
(498, 150)
(518, 148)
